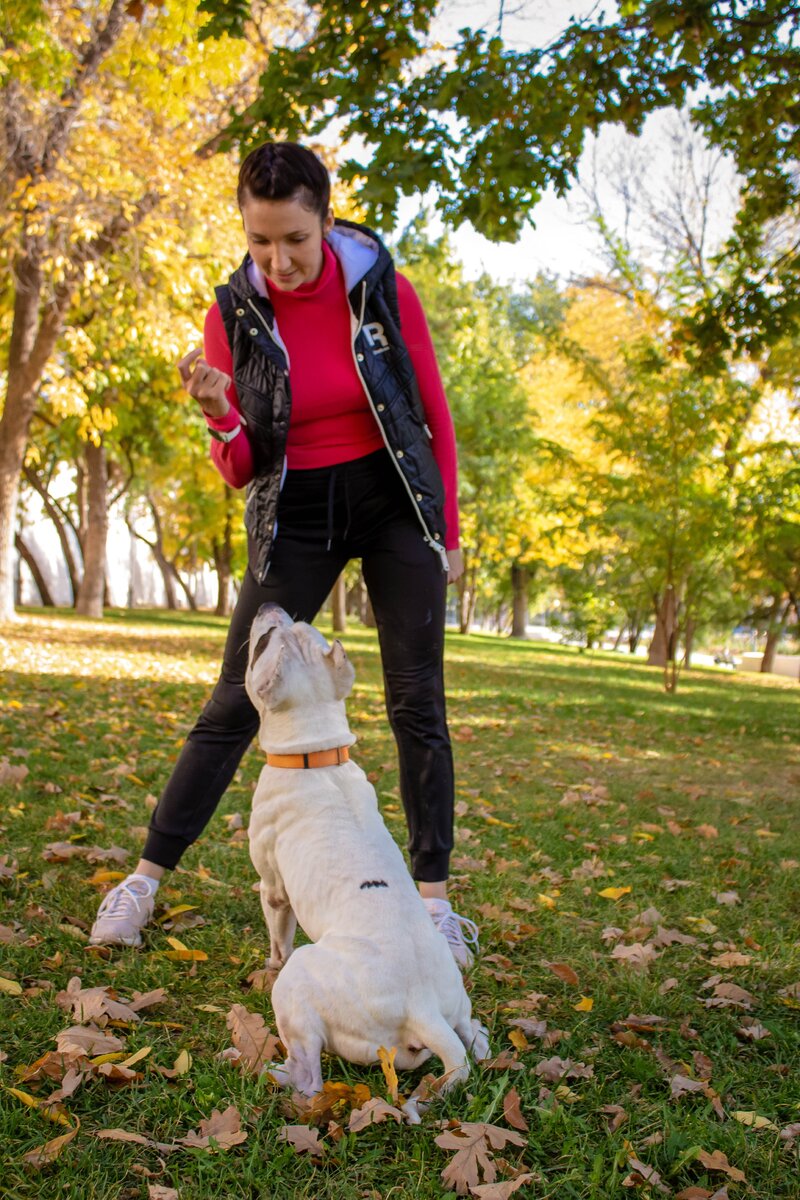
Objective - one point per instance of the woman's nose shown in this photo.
(280, 258)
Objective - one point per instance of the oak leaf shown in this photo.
(501, 1191)
(473, 1162)
(219, 1132)
(717, 1161)
(257, 1046)
(40, 1156)
(374, 1112)
(555, 1068)
(304, 1139)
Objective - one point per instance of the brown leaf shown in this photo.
(88, 1040)
(554, 1069)
(512, 1111)
(717, 1161)
(636, 956)
(681, 1084)
(564, 972)
(618, 1116)
(155, 1191)
(729, 995)
(752, 1031)
(501, 1191)
(98, 1004)
(731, 958)
(10, 774)
(707, 831)
(374, 1112)
(693, 1193)
(646, 1174)
(474, 1161)
(304, 1140)
(224, 1129)
(147, 999)
(49, 1152)
(251, 1038)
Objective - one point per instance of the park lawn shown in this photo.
(576, 774)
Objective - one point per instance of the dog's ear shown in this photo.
(341, 669)
(269, 688)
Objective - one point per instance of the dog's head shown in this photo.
(290, 664)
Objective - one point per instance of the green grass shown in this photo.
(574, 773)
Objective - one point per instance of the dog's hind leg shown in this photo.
(445, 1043)
(281, 923)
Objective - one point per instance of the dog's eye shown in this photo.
(261, 645)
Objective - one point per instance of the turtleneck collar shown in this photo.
(305, 291)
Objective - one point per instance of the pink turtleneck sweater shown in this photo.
(331, 419)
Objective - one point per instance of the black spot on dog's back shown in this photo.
(373, 883)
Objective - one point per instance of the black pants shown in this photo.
(327, 516)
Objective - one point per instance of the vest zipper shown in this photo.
(278, 345)
(434, 545)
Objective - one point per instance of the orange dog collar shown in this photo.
(317, 758)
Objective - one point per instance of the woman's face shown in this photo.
(285, 240)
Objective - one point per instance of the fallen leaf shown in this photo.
(10, 986)
(555, 1069)
(49, 1152)
(717, 1161)
(637, 956)
(473, 1162)
(754, 1120)
(707, 831)
(564, 972)
(512, 1111)
(648, 1175)
(614, 893)
(386, 1059)
(374, 1112)
(252, 1038)
(501, 1191)
(304, 1140)
(752, 1031)
(585, 1004)
(731, 958)
(155, 1191)
(219, 1132)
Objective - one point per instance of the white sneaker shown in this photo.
(123, 914)
(459, 932)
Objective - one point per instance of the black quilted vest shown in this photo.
(261, 375)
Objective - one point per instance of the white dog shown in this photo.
(378, 973)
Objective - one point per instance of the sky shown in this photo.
(563, 242)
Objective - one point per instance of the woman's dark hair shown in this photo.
(283, 171)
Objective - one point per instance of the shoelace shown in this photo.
(118, 902)
(455, 927)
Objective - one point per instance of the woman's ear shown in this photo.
(327, 224)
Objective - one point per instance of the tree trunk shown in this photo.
(662, 647)
(688, 641)
(89, 602)
(62, 524)
(777, 624)
(520, 579)
(339, 605)
(38, 578)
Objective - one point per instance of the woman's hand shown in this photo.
(456, 560)
(206, 384)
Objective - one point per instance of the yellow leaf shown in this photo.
(174, 912)
(51, 1150)
(10, 986)
(566, 1094)
(137, 1057)
(182, 1063)
(585, 1004)
(496, 821)
(547, 901)
(386, 1058)
(106, 877)
(176, 943)
(518, 1039)
(53, 1112)
(753, 1119)
(614, 893)
(115, 1056)
(185, 955)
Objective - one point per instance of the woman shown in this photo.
(338, 426)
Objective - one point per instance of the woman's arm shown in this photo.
(234, 459)
(417, 338)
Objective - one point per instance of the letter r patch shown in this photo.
(376, 338)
